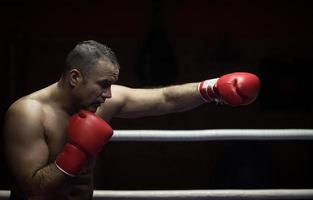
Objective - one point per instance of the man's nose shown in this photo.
(106, 93)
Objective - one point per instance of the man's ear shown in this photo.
(75, 77)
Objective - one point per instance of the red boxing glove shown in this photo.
(87, 134)
(235, 89)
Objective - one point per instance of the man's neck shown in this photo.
(60, 95)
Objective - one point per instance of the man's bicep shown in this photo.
(25, 146)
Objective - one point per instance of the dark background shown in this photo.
(161, 43)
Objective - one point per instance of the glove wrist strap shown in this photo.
(208, 90)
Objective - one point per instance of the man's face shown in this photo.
(96, 85)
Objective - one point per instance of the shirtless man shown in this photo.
(53, 136)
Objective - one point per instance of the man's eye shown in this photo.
(105, 85)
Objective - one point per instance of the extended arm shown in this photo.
(234, 89)
(132, 103)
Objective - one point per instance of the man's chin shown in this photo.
(93, 108)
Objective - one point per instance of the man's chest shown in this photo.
(55, 133)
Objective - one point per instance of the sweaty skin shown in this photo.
(35, 127)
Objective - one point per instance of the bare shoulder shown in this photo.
(131, 102)
(118, 91)
(23, 115)
(123, 93)
(25, 107)
(113, 105)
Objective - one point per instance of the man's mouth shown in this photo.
(98, 103)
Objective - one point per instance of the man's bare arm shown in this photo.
(27, 152)
(132, 103)
(234, 89)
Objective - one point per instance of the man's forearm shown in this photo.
(182, 97)
(46, 180)
(133, 103)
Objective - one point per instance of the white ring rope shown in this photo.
(205, 135)
(217, 134)
(207, 194)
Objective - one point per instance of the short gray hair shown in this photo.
(87, 53)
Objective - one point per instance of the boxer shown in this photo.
(53, 136)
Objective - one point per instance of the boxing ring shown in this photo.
(205, 135)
